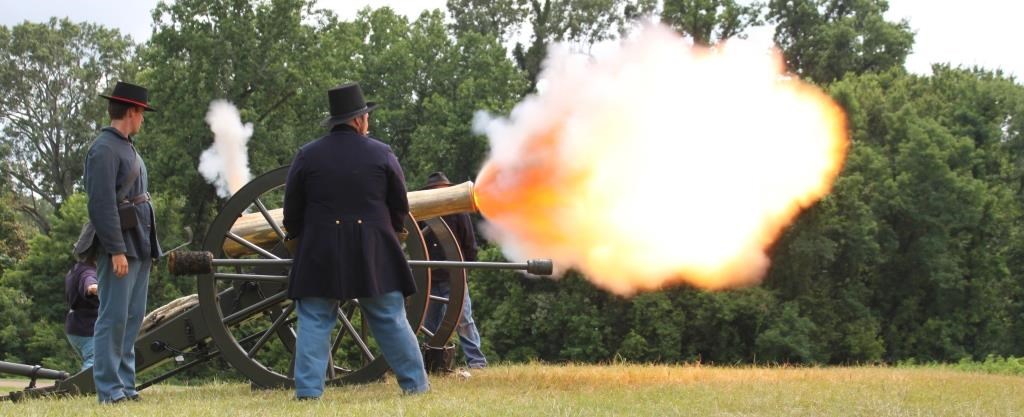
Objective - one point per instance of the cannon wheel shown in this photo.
(251, 320)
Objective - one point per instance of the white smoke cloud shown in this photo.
(226, 163)
(658, 162)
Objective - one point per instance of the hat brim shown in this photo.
(342, 118)
(144, 106)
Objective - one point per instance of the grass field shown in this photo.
(615, 390)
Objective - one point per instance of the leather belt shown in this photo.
(139, 199)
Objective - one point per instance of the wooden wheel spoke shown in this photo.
(251, 246)
(256, 307)
(270, 219)
(281, 319)
(348, 327)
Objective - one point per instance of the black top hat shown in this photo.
(346, 103)
(131, 94)
(435, 180)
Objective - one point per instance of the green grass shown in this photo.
(614, 390)
(992, 365)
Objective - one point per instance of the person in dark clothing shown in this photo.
(125, 241)
(80, 292)
(345, 204)
(462, 228)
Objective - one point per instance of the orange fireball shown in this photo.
(662, 162)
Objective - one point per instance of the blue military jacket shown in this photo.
(344, 200)
(82, 307)
(110, 158)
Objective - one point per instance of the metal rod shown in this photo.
(441, 300)
(412, 263)
(428, 332)
(212, 354)
(279, 279)
(31, 371)
(259, 306)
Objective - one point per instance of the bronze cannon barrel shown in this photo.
(424, 204)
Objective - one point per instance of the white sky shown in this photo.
(985, 33)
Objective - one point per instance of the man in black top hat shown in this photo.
(125, 241)
(462, 229)
(345, 204)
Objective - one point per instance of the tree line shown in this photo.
(916, 253)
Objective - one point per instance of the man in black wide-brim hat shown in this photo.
(462, 229)
(123, 238)
(345, 204)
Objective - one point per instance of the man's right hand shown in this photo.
(120, 264)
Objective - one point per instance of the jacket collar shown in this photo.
(118, 133)
(343, 128)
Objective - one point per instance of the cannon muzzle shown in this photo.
(202, 262)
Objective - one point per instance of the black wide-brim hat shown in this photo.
(436, 179)
(130, 94)
(346, 102)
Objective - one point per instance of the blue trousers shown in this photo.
(122, 308)
(84, 346)
(469, 336)
(385, 315)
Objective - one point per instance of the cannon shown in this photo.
(241, 312)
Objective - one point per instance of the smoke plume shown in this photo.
(659, 163)
(226, 163)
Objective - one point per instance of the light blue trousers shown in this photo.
(469, 336)
(122, 307)
(84, 346)
(385, 315)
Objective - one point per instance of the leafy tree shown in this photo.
(822, 40)
(16, 326)
(500, 18)
(265, 57)
(789, 339)
(711, 21)
(578, 22)
(13, 235)
(475, 76)
(51, 74)
(429, 86)
(656, 329)
(38, 281)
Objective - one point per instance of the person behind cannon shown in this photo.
(124, 238)
(345, 205)
(80, 292)
(462, 228)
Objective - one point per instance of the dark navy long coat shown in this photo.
(345, 199)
